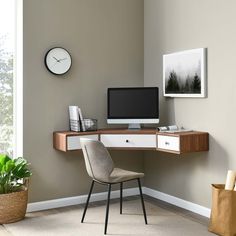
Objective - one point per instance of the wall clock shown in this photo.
(58, 60)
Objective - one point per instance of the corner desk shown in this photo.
(143, 139)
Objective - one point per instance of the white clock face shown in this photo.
(58, 61)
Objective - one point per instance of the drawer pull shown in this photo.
(168, 143)
(126, 140)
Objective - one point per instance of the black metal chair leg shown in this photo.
(121, 196)
(141, 195)
(87, 202)
(107, 210)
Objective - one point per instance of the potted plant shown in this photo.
(14, 174)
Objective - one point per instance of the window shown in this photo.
(10, 76)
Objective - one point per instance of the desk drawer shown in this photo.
(129, 140)
(168, 142)
(73, 142)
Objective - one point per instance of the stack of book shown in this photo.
(76, 119)
(173, 129)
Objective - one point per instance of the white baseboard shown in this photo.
(62, 202)
(204, 211)
(70, 201)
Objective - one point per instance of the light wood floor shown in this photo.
(179, 211)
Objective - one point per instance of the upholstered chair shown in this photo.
(101, 169)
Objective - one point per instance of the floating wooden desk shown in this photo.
(144, 139)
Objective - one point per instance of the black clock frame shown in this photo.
(45, 60)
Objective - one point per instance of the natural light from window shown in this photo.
(7, 54)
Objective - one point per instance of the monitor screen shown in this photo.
(133, 103)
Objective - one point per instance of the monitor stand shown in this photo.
(134, 126)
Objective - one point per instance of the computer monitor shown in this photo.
(133, 106)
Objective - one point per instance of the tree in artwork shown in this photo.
(172, 84)
(196, 84)
(184, 73)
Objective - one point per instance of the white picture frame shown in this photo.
(184, 73)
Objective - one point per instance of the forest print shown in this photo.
(182, 72)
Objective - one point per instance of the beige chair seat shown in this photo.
(100, 168)
(121, 175)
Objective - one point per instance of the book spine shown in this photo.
(168, 128)
(74, 119)
(81, 120)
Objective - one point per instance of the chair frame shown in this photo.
(108, 199)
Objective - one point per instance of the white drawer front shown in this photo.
(73, 142)
(168, 142)
(129, 140)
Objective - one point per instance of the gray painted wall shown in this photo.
(105, 39)
(171, 26)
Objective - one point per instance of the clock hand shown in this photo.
(62, 59)
(56, 59)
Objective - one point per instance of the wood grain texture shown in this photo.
(168, 151)
(177, 134)
(60, 141)
(189, 142)
(73, 133)
(194, 141)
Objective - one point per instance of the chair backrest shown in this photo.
(98, 161)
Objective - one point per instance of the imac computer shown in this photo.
(133, 106)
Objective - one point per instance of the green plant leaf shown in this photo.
(12, 172)
(4, 159)
(10, 165)
(20, 161)
(4, 179)
(23, 173)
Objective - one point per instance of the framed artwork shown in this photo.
(184, 73)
